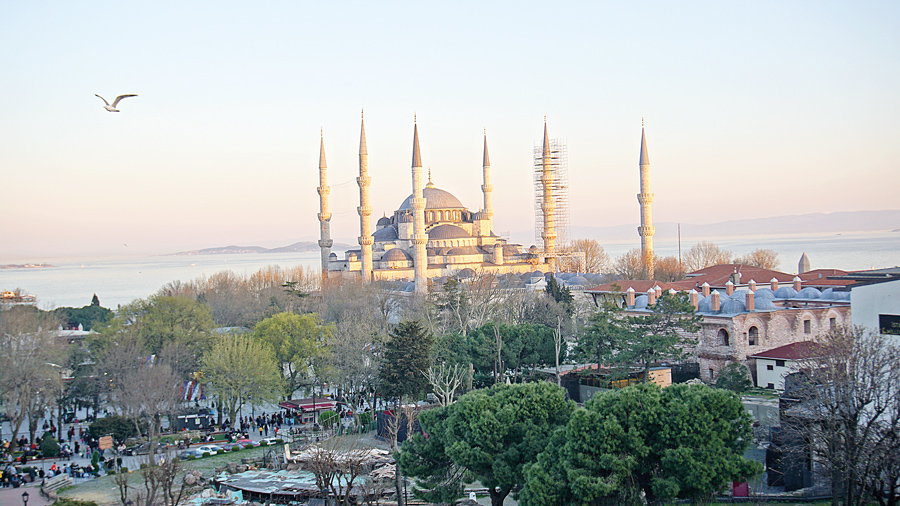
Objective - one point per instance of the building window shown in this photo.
(832, 323)
(807, 326)
(770, 367)
(711, 373)
(770, 386)
(752, 336)
(723, 337)
(779, 363)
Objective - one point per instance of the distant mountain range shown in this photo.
(853, 221)
(297, 247)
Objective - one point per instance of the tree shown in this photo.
(762, 258)
(667, 269)
(660, 335)
(735, 377)
(643, 443)
(240, 369)
(405, 357)
(630, 265)
(705, 254)
(604, 335)
(297, 341)
(424, 456)
(465, 304)
(561, 294)
(587, 256)
(86, 316)
(848, 413)
(493, 433)
(29, 376)
(159, 322)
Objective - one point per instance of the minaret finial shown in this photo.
(642, 121)
(429, 175)
(362, 113)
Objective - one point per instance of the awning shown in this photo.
(317, 404)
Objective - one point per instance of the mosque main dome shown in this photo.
(435, 198)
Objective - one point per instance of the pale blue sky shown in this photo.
(753, 109)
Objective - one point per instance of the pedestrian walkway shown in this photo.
(13, 496)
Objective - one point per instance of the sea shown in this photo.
(118, 281)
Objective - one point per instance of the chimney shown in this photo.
(752, 285)
(797, 283)
(651, 297)
(715, 300)
(672, 291)
(658, 291)
(705, 289)
(629, 297)
(729, 287)
(751, 304)
(692, 295)
(774, 284)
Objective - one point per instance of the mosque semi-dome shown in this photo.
(435, 198)
(396, 254)
(448, 232)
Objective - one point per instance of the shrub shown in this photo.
(206, 454)
(263, 443)
(120, 427)
(49, 445)
(124, 469)
(220, 451)
(235, 448)
(734, 377)
(365, 418)
(65, 501)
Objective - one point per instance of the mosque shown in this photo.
(432, 234)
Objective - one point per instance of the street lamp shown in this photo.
(25, 498)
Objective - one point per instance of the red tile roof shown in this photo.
(793, 351)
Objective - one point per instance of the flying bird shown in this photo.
(112, 108)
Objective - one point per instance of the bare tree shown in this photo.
(445, 380)
(705, 254)
(630, 265)
(848, 412)
(29, 378)
(667, 269)
(762, 258)
(585, 255)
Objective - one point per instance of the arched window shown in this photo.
(723, 337)
(440, 216)
(753, 336)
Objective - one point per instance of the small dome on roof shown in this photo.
(763, 304)
(332, 256)
(466, 273)
(383, 221)
(785, 292)
(640, 302)
(809, 293)
(828, 293)
(435, 198)
(385, 234)
(396, 254)
(464, 250)
(764, 293)
(731, 305)
(704, 305)
(577, 281)
(447, 232)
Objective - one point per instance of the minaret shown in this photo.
(487, 187)
(325, 241)
(645, 198)
(365, 210)
(547, 206)
(803, 265)
(420, 256)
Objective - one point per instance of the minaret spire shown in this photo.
(487, 187)
(365, 209)
(419, 239)
(645, 198)
(548, 205)
(325, 241)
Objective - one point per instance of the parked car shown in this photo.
(211, 449)
(141, 449)
(270, 440)
(240, 443)
(190, 452)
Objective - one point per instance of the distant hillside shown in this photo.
(297, 247)
(854, 221)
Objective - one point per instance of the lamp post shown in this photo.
(25, 498)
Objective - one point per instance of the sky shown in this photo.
(752, 109)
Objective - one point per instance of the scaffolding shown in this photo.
(559, 167)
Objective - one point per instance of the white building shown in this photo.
(876, 305)
(773, 365)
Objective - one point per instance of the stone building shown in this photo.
(741, 319)
(431, 234)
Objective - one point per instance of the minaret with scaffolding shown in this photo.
(551, 197)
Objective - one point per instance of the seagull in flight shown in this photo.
(112, 108)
